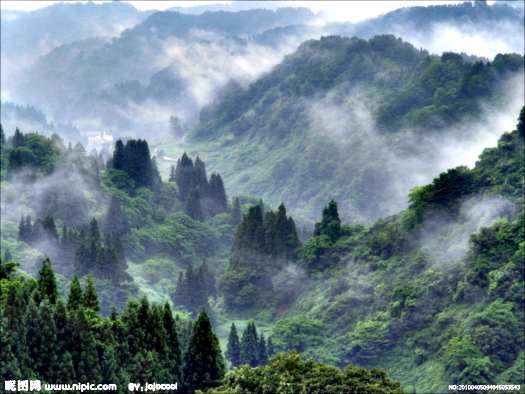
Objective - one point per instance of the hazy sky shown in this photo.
(338, 10)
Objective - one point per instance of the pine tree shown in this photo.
(109, 367)
(66, 369)
(121, 257)
(250, 346)
(281, 234)
(109, 164)
(84, 350)
(47, 286)
(134, 334)
(204, 365)
(78, 150)
(42, 339)
(156, 179)
(172, 343)
(63, 327)
(183, 176)
(69, 243)
(13, 346)
(191, 291)
(233, 351)
(118, 162)
(330, 224)
(251, 234)
(90, 295)
(75, 299)
(18, 139)
(292, 240)
(263, 352)
(179, 297)
(521, 122)
(201, 295)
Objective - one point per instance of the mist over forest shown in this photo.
(300, 197)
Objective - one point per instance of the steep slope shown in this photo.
(359, 121)
(433, 295)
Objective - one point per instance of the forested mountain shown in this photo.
(149, 72)
(25, 36)
(88, 80)
(438, 286)
(355, 120)
(94, 214)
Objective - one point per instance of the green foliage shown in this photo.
(259, 247)
(443, 193)
(249, 353)
(279, 139)
(287, 372)
(330, 225)
(440, 285)
(204, 365)
(90, 295)
(370, 340)
(179, 236)
(297, 333)
(202, 198)
(47, 285)
(134, 159)
(465, 362)
(191, 292)
(233, 351)
(75, 298)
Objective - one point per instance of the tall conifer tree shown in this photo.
(172, 342)
(233, 351)
(75, 299)
(47, 286)
(204, 365)
(90, 294)
(250, 346)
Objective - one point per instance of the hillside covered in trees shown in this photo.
(439, 285)
(353, 120)
(442, 280)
